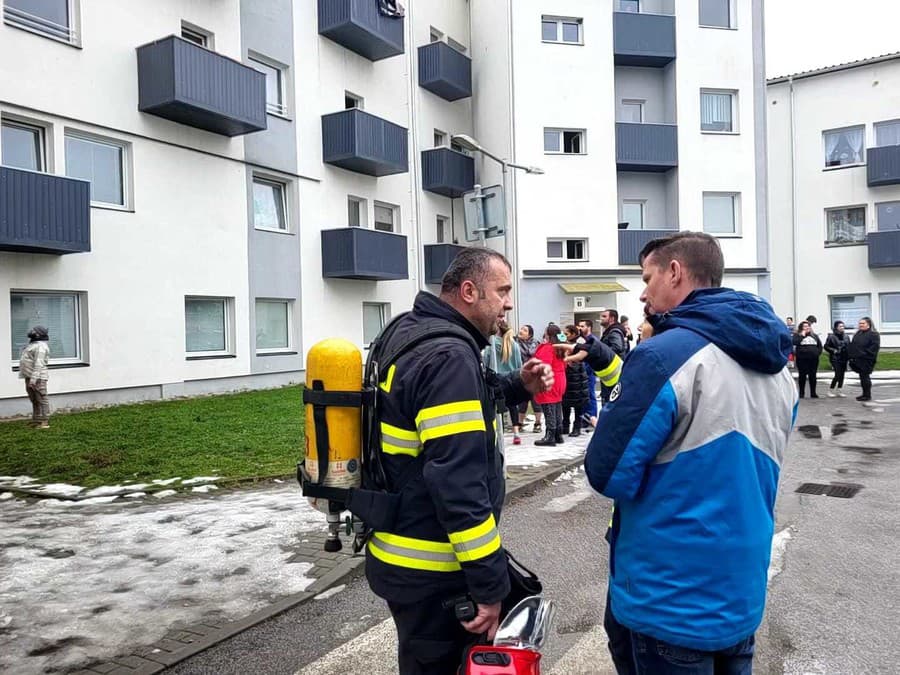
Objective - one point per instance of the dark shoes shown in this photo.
(814, 396)
(863, 398)
(575, 433)
(546, 441)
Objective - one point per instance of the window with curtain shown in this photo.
(272, 325)
(630, 6)
(57, 312)
(269, 208)
(719, 212)
(845, 146)
(101, 164)
(716, 111)
(850, 308)
(206, 325)
(888, 216)
(846, 225)
(887, 133)
(384, 217)
(890, 310)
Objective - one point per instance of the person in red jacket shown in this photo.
(551, 401)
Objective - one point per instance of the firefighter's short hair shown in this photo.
(470, 264)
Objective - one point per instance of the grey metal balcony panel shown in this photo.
(358, 141)
(883, 166)
(361, 28)
(437, 259)
(632, 242)
(884, 248)
(360, 253)
(43, 213)
(185, 83)
(646, 147)
(643, 39)
(447, 172)
(445, 71)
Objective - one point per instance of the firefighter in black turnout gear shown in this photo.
(436, 415)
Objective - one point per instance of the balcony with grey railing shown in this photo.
(361, 142)
(437, 259)
(884, 248)
(364, 254)
(362, 26)
(44, 213)
(883, 166)
(189, 84)
(646, 147)
(632, 242)
(643, 39)
(447, 172)
(445, 71)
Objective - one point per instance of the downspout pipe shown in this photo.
(795, 224)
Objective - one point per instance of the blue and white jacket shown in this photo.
(690, 447)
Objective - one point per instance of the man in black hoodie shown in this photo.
(863, 352)
(613, 337)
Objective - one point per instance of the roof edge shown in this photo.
(833, 69)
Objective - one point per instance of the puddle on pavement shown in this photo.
(862, 449)
(810, 431)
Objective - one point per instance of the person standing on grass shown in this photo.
(863, 353)
(33, 368)
(808, 347)
(551, 400)
(836, 345)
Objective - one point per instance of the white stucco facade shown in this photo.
(818, 268)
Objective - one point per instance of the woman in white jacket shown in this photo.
(33, 368)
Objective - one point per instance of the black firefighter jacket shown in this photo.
(435, 409)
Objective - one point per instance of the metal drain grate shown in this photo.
(840, 491)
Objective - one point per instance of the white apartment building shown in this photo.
(193, 192)
(834, 195)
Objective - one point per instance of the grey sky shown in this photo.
(806, 34)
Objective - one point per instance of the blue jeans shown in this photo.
(591, 408)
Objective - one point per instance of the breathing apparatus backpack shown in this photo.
(342, 469)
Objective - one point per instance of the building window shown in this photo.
(564, 141)
(273, 321)
(101, 163)
(887, 133)
(269, 204)
(456, 45)
(845, 225)
(845, 147)
(196, 35)
(456, 147)
(850, 308)
(52, 18)
(208, 326)
(385, 217)
(356, 212)
(440, 139)
(60, 313)
(567, 249)
(375, 315)
(561, 29)
(633, 214)
(888, 215)
(22, 146)
(632, 110)
(441, 227)
(890, 310)
(717, 111)
(275, 99)
(716, 14)
(720, 212)
(630, 6)
(436, 35)
(352, 101)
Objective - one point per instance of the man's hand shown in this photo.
(537, 376)
(486, 621)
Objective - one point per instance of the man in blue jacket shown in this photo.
(690, 449)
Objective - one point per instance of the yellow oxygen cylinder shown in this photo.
(337, 364)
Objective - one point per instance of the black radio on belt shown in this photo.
(463, 607)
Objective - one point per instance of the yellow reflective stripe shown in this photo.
(444, 409)
(391, 449)
(414, 544)
(399, 432)
(476, 542)
(386, 385)
(479, 552)
(609, 376)
(412, 553)
(473, 532)
(399, 441)
(450, 418)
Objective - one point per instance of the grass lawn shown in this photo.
(251, 434)
(886, 361)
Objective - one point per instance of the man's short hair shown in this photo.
(812, 318)
(624, 319)
(613, 314)
(698, 252)
(470, 264)
(588, 323)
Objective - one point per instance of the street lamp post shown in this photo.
(510, 240)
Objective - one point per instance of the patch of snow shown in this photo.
(324, 595)
(165, 493)
(529, 455)
(60, 489)
(6, 495)
(567, 502)
(135, 495)
(204, 488)
(105, 490)
(18, 481)
(166, 481)
(200, 479)
(278, 480)
(567, 475)
(779, 546)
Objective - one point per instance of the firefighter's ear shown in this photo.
(469, 293)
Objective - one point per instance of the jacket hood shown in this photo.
(742, 325)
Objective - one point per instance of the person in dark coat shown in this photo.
(836, 345)
(863, 353)
(576, 396)
(807, 347)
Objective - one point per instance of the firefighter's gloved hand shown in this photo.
(487, 620)
(537, 376)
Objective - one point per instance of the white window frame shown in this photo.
(843, 166)
(641, 103)
(443, 136)
(435, 35)
(207, 37)
(80, 326)
(395, 216)
(280, 108)
(362, 206)
(736, 214)
(440, 225)
(564, 241)
(561, 132)
(269, 179)
(358, 100)
(385, 308)
(42, 131)
(851, 323)
(882, 123)
(732, 17)
(69, 35)
(125, 147)
(458, 46)
(289, 348)
(854, 242)
(625, 11)
(229, 329)
(884, 324)
(735, 126)
(878, 206)
(635, 202)
(559, 21)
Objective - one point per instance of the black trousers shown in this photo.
(577, 421)
(807, 370)
(430, 639)
(553, 419)
(865, 381)
(840, 369)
